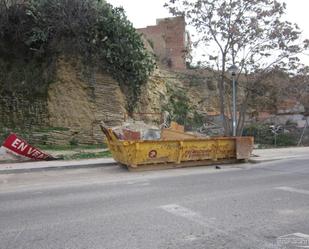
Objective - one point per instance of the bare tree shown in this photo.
(250, 34)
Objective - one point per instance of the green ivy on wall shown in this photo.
(39, 30)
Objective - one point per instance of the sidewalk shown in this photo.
(264, 155)
(258, 156)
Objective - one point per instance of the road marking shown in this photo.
(188, 214)
(303, 212)
(210, 224)
(179, 211)
(139, 183)
(293, 190)
(302, 235)
(190, 238)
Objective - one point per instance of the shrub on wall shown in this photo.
(40, 30)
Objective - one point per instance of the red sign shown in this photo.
(21, 147)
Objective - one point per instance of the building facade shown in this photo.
(170, 41)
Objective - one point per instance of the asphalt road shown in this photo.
(244, 206)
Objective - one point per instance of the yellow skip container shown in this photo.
(161, 154)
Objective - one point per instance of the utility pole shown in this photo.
(233, 71)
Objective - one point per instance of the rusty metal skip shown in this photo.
(140, 155)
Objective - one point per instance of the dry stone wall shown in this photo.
(75, 106)
(18, 110)
(80, 98)
(80, 104)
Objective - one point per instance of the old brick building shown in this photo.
(170, 41)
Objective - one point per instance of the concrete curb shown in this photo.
(14, 168)
(263, 160)
(256, 161)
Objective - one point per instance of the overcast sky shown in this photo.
(143, 13)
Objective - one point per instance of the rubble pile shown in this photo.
(137, 130)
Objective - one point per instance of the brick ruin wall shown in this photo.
(168, 38)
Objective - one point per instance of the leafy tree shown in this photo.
(178, 106)
(90, 29)
(248, 33)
